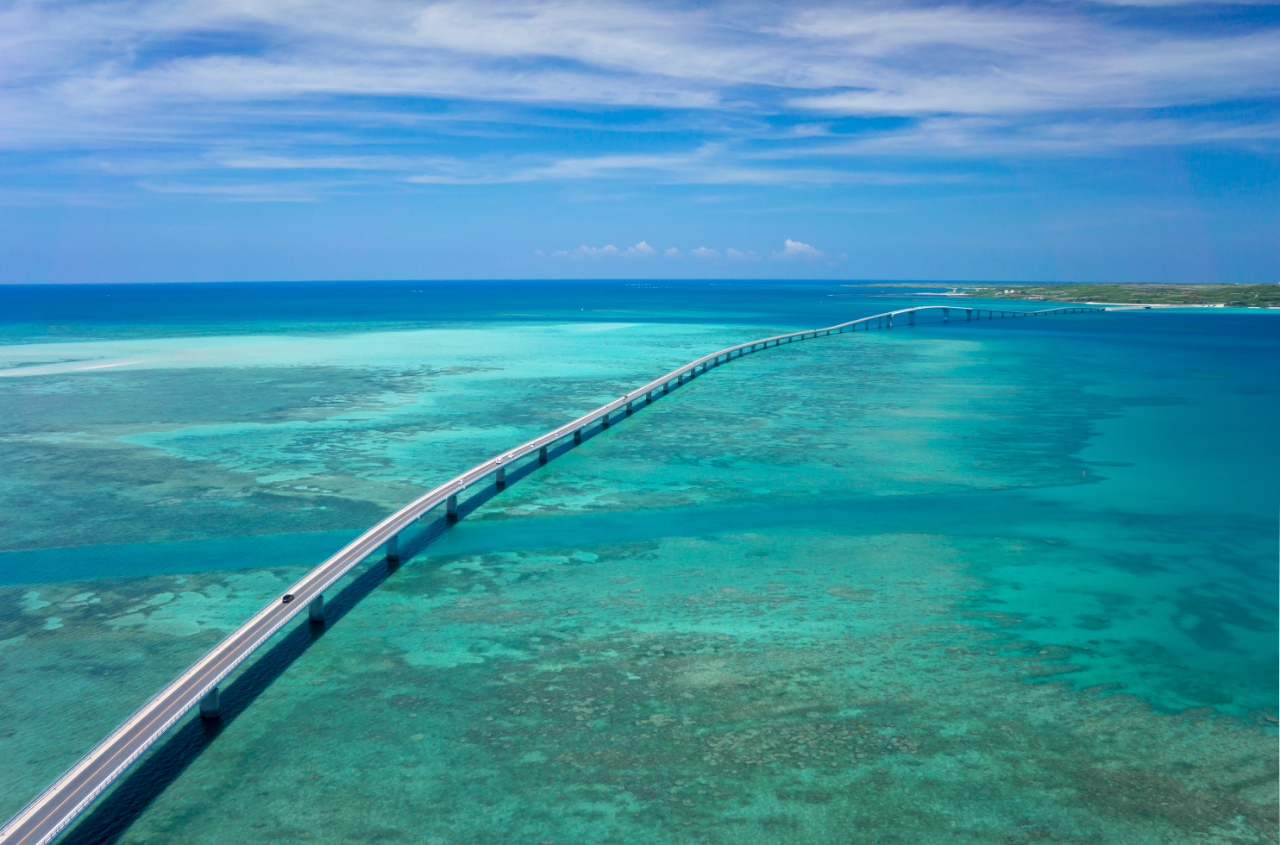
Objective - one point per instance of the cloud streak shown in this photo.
(391, 91)
(791, 250)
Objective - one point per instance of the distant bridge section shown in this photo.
(68, 796)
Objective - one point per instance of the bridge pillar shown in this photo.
(946, 315)
(451, 508)
(665, 388)
(604, 421)
(211, 705)
(315, 610)
(393, 548)
(542, 455)
(628, 409)
(577, 437)
(500, 480)
(648, 397)
(911, 318)
(890, 321)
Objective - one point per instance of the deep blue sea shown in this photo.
(1002, 581)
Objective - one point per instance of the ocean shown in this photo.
(977, 581)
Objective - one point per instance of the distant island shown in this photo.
(1233, 296)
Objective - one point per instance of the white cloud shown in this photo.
(704, 252)
(741, 256)
(640, 250)
(673, 253)
(585, 251)
(304, 85)
(795, 249)
(270, 192)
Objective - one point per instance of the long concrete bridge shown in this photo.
(58, 805)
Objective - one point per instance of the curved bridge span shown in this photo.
(58, 805)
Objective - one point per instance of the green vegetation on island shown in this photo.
(1234, 296)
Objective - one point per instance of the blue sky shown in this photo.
(228, 140)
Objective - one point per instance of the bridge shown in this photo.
(45, 816)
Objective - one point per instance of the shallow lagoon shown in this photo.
(1006, 581)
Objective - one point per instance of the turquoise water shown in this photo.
(1003, 581)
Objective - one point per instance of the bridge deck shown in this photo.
(58, 805)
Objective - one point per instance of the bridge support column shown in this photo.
(393, 548)
(666, 388)
(500, 480)
(911, 318)
(946, 315)
(890, 321)
(211, 705)
(315, 610)
(628, 409)
(451, 508)
(648, 397)
(542, 455)
(604, 421)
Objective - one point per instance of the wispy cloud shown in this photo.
(790, 250)
(795, 249)
(265, 192)
(640, 250)
(393, 89)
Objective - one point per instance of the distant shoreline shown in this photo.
(1138, 295)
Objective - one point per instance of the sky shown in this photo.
(226, 140)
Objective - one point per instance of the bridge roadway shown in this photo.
(59, 804)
